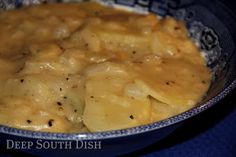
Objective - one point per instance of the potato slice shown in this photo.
(110, 36)
(160, 110)
(107, 105)
(182, 86)
(124, 40)
(24, 114)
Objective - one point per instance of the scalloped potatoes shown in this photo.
(94, 68)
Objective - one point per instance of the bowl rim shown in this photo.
(122, 132)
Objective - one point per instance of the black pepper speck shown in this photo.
(59, 103)
(28, 121)
(50, 122)
(131, 117)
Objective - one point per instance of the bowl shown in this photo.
(211, 24)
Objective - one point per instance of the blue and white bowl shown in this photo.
(211, 24)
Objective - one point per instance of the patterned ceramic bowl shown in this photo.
(210, 23)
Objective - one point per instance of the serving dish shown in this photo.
(211, 26)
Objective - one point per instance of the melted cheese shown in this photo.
(94, 68)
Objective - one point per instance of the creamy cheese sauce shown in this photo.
(85, 67)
